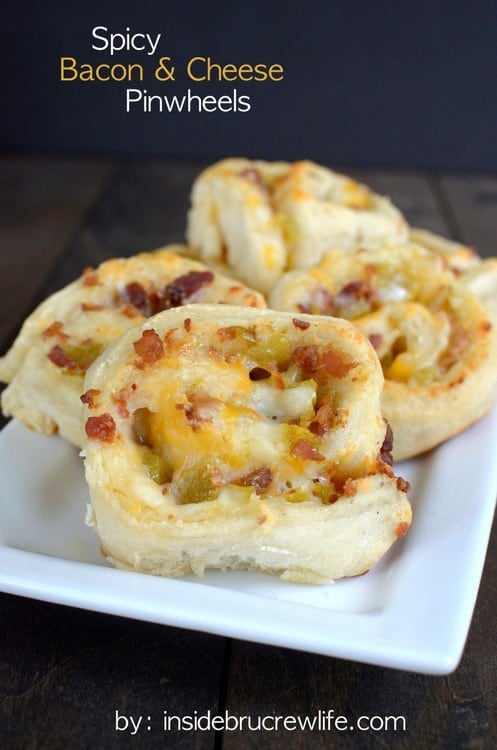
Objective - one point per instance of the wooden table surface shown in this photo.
(64, 672)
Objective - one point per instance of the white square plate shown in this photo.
(411, 612)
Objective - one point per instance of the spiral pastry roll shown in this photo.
(46, 365)
(262, 218)
(478, 274)
(435, 340)
(238, 438)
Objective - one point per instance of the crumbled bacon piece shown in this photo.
(259, 373)
(336, 364)
(55, 329)
(90, 397)
(134, 294)
(354, 291)
(260, 479)
(254, 176)
(349, 488)
(305, 450)
(178, 291)
(58, 356)
(199, 409)
(403, 485)
(306, 358)
(101, 428)
(187, 324)
(376, 340)
(402, 529)
(303, 325)
(90, 277)
(325, 416)
(88, 307)
(322, 300)
(121, 400)
(458, 342)
(130, 311)
(387, 447)
(149, 347)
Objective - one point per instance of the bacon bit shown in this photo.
(387, 447)
(303, 325)
(130, 311)
(349, 488)
(403, 485)
(305, 450)
(149, 347)
(254, 176)
(486, 325)
(259, 373)
(199, 409)
(134, 294)
(321, 300)
(87, 307)
(187, 323)
(402, 529)
(90, 398)
(101, 428)
(459, 341)
(325, 417)
(306, 358)
(226, 334)
(260, 479)
(55, 329)
(217, 479)
(58, 356)
(354, 291)
(90, 277)
(184, 287)
(121, 400)
(336, 365)
(304, 309)
(376, 340)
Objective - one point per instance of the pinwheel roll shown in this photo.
(458, 257)
(46, 365)
(324, 210)
(435, 340)
(227, 437)
(262, 218)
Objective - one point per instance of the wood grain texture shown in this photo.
(42, 203)
(65, 672)
(472, 207)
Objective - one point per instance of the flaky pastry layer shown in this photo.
(262, 218)
(46, 365)
(436, 341)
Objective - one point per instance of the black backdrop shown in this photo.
(401, 84)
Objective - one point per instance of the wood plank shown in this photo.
(411, 192)
(42, 202)
(471, 203)
(65, 673)
(144, 208)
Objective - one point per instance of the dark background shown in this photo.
(394, 84)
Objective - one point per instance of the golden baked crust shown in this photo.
(262, 218)
(437, 343)
(229, 437)
(45, 367)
